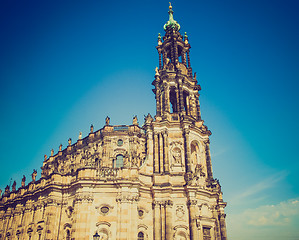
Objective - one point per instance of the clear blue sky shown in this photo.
(67, 64)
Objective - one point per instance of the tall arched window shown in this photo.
(140, 236)
(186, 101)
(68, 235)
(119, 161)
(173, 100)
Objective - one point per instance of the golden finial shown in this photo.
(170, 7)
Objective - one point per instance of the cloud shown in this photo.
(277, 221)
(273, 215)
(255, 189)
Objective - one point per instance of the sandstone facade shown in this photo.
(129, 182)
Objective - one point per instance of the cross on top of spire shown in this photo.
(171, 23)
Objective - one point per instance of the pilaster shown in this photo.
(156, 152)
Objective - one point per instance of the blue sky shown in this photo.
(67, 64)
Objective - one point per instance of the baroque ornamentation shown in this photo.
(127, 198)
(180, 211)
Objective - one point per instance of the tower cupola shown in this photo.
(176, 87)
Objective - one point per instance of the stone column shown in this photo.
(184, 58)
(161, 151)
(157, 220)
(217, 229)
(181, 96)
(168, 217)
(50, 220)
(166, 157)
(150, 149)
(83, 216)
(167, 102)
(187, 105)
(160, 61)
(156, 152)
(131, 147)
(222, 226)
(164, 57)
(192, 219)
(163, 219)
(127, 225)
(172, 53)
(133, 216)
(176, 55)
(158, 100)
(186, 132)
(188, 59)
(197, 106)
(177, 100)
(119, 218)
(208, 159)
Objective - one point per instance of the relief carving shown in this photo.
(177, 156)
(176, 153)
(180, 212)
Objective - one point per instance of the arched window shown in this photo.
(140, 236)
(68, 235)
(186, 101)
(173, 100)
(119, 161)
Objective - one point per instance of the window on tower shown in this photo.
(140, 236)
(119, 161)
(186, 101)
(206, 233)
(173, 100)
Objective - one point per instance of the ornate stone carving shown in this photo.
(83, 198)
(23, 181)
(69, 211)
(14, 186)
(33, 175)
(191, 202)
(177, 156)
(127, 198)
(180, 211)
(135, 121)
(176, 152)
(107, 121)
(105, 172)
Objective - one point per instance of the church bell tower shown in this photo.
(176, 87)
(178, 148)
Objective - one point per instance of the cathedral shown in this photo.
(128, 182)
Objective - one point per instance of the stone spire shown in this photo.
(176, 88)
(171, 23)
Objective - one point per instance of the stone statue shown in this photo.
(135, 121)
(167, 60)
(91, 128)
(107, 121)
(23, 181)
(176, 153)
(148, 118)
(6, 190)
(70, 141)
(60, 147)
(45, 157)
(157, 71)
(80, 135)
(14, 186)
(33, 175)
(0, 193)
(52, 152)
